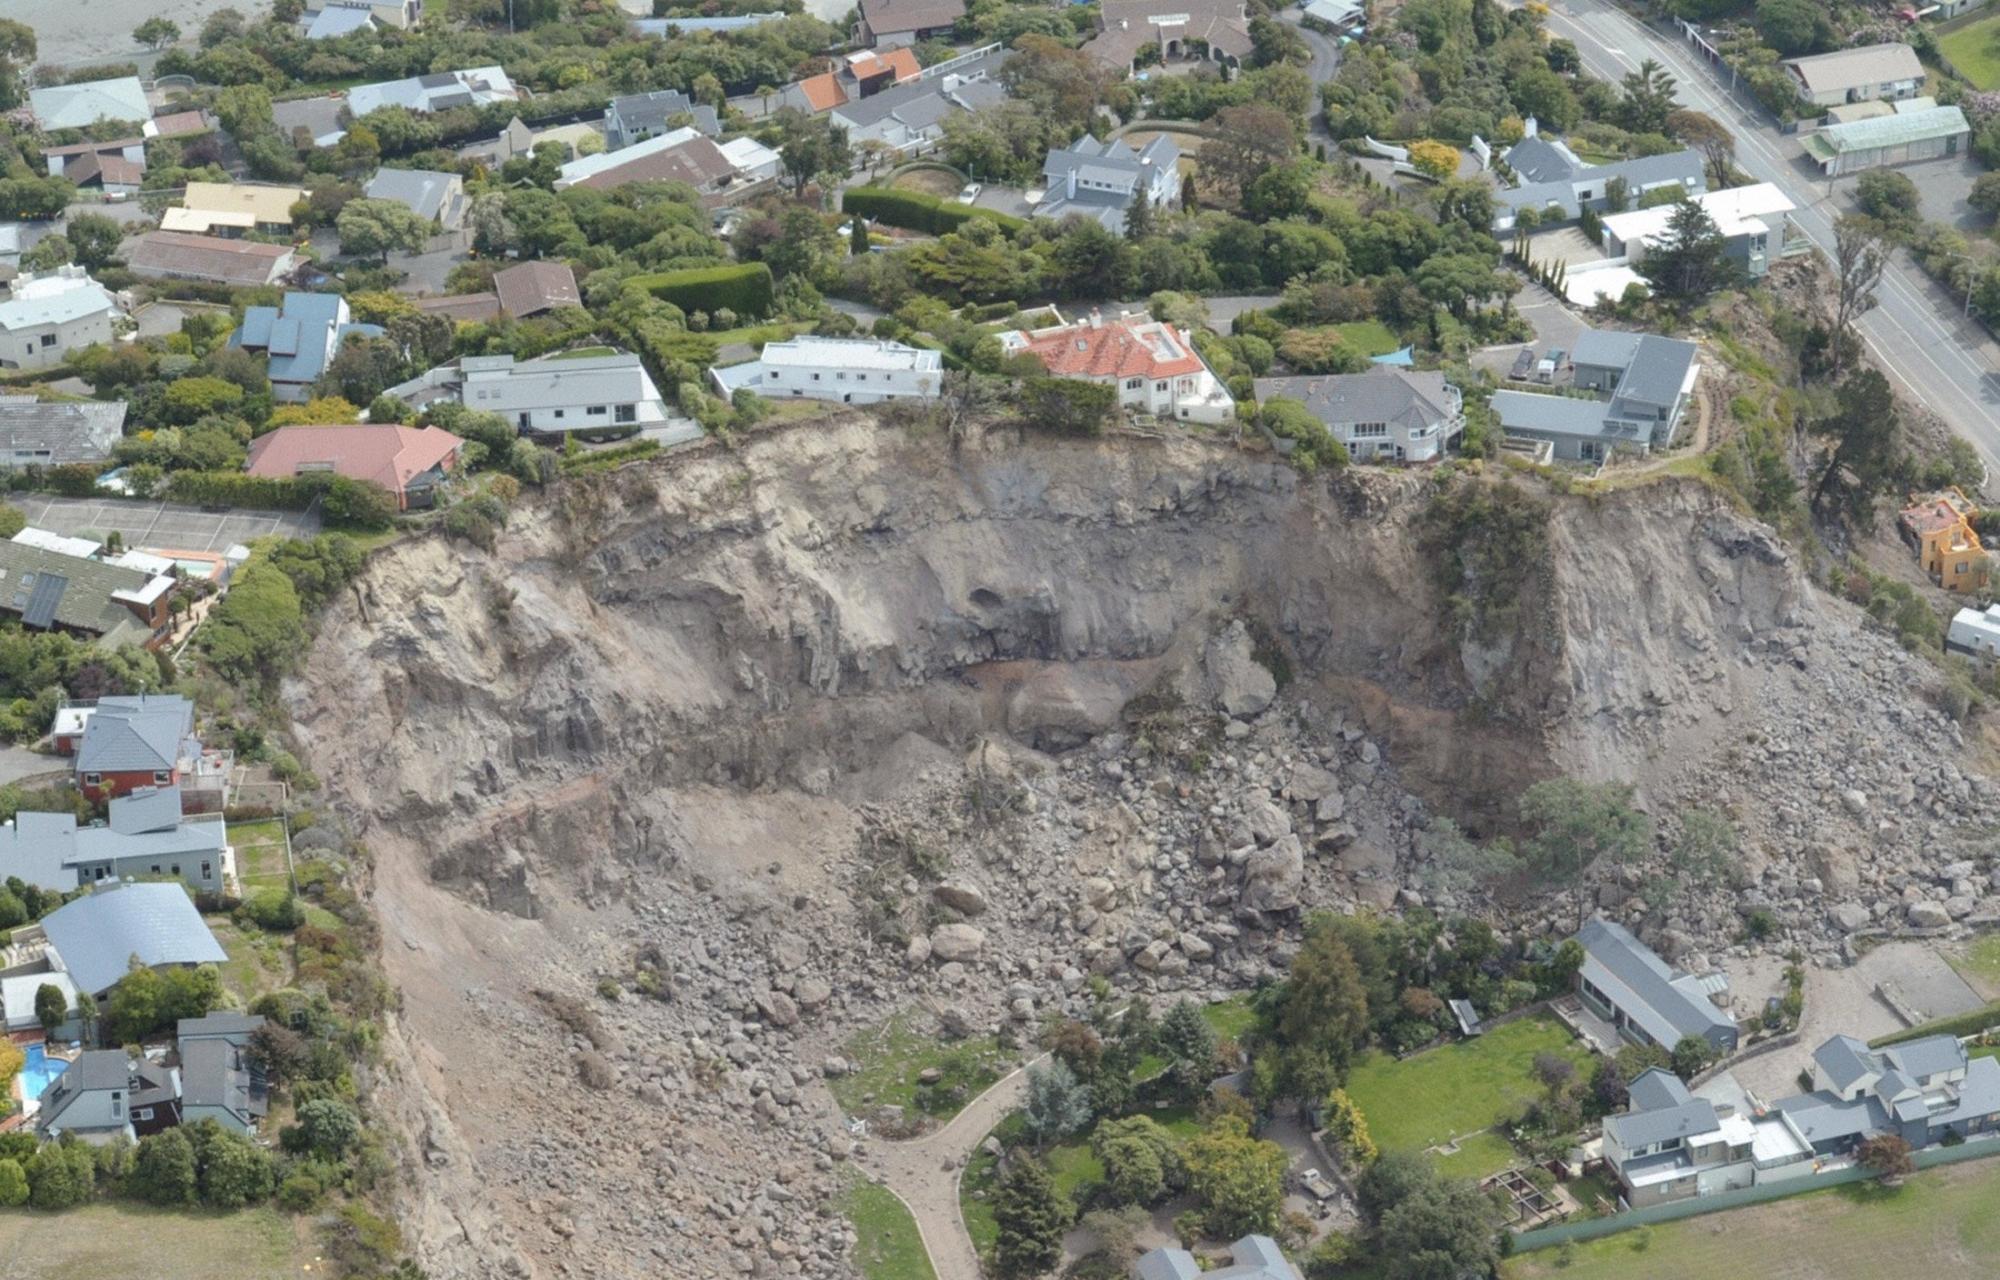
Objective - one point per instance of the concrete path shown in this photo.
(924, 1173)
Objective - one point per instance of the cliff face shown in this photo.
(683, 688)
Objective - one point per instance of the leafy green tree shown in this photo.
(1649, 98)
(61, 1175)
(1141, 1158)
(244, 110)
(1690, 1055)
(1187, 1042)
(1888, 1156)
(1441, 1230)
(1311, 1024)
(188, 400)
(156, 32)
(234, 1171)
(1461, 281)
(133, 1010)
(1392, 1179)
(1712, 138)
(1985, 194)
(376, 228)
(1581, 827)
(1068, 406)
(812, 149)
(857, 236)
(328, 1129)
(1237, 1180)
(93, 239)
(51, 1007)
(1891, 198)
(1459, 864)
(256, 630)
(1032, 1216)
(1091, 261)
(13, 911)
(1705, 851)
(17, 52)
(1058, 1103)
(1691, 261)
(164, 1172)
(1313, 444)
(13, 1184)
(1795, 27)
(34, 198)
(49, 253)
(1865, 460)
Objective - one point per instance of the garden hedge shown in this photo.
(744, 288)
(1964, 1024)
(915, 211)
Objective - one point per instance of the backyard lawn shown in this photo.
(260, 855)
(1939, 1225)
(1370, 337)
(930, 182)
(1458, 1090)
(1979, 964)
(121, 1239)
(1230, 1019)
(889, 1246)
(893, 1055)
(1975, 50)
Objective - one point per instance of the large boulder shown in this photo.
(1242, 686)
(1265, 820)
(961, 896)
(956, 942)
(1927, 915)
(1849, 916)
(1839, 870)
(1273, 875)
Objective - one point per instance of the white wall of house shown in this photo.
(38, 346)
(842, 386)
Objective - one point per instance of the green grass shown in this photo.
(1975, 50)
(1372, 337)
(1979, 964)
(1939, 1225)
(258, 962)
(260, 854)
(1230, 1019)
(119, 1238)
(891, 1057)
(889, 1247)
(1458, 1090)
(1478, 1156)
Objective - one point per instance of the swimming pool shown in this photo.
(39, 1071)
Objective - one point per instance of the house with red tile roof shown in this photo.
(1154, 365)
(410, 462)
(854, 77)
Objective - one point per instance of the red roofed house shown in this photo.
(409, 462)
(854, 77)
(1154, 366)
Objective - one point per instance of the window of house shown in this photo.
(1159, 386)
(559, 413)
(597, 411)
(861, 377)
(1364, 430)
(48, 339)
(1133, 384)
(627, 413)
(117, 1105)
(155, 868)
(92, 779)
(177, 868)
(841, 377)
(161, 777)
(815, 377)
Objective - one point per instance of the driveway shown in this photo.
(1008, 200)
(1555, 325)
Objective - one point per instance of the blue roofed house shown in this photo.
(1103, 180)
(300, 336)
(1649, 1001)
(1253, 1257)
(96, 938)
(1646, 381)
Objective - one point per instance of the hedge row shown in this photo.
(1964, 1024)
(744, 288)
(915, 211)
(234, 489)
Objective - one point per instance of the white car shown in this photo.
(971, 193)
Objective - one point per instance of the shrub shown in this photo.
(275, 910)
(744, 288)
(915, 211)
(1068, 406)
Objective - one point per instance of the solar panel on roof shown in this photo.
(40, 610)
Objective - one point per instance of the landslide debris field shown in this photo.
(778, 742)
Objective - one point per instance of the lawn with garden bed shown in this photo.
(1459, 1090)
(260, 855)
(891, 1060)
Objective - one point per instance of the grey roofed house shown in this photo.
(1845, 1062)
(186, 255)
(134, 733)
(224, 1025)
(530, 288)
(1537, 413)
(1926, 1057)
(218, 1084)
(68, 1104)
(1605, 348)
(1662, 1110)
(1570, 193)
(1823, 1119)
(438, 91)
(46, 433)
(48, 590)
(1656, 1088)
(33, 847)
(1254, 1257)
(145, 835)
(1626, 982)
(99, 934)
(1536, 159)
(320, 117)
(922, 104)
(1166, 1264)
(641, 115)
(432, 196)
(1657, 371)
(1102, 180)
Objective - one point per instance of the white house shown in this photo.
(1975, 633)
(843, 370)
(1872, 72)
(550, 396)
(754, 161)
(1388, 414)
(1154, 365)
(439, 91)
(53, 313)
(1752, 221)
(1102, 180)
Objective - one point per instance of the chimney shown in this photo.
(1069, 183)
(1096, 318)
(1529, 128)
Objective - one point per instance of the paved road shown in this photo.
(1916, 331)
(924, 1174)
(1324, 63)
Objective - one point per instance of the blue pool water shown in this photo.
(35, 1077)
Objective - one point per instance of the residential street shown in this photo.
(1917, 330)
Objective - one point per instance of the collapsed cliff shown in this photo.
(1147, 699)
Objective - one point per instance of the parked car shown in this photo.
(1524, 365)
(1314, 1184)
(971, 193)
(1551, 364)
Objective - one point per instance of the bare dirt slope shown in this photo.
(790, 736)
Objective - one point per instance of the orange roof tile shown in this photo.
(902, 61)
(1119, 349)
(822, 92)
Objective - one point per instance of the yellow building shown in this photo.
(1939, 527)
(232, 208)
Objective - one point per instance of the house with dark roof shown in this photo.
(861, 74)
(42, 433)
(1254, 1257)
(530, 288)
(409, 462)
(144, 835)
(187, 255)
(103, 1095)
(1558, 185)
(1626, 983)
(437, 198)
(1103, 180)
(235, 1028)
(133, 741)
(218, 1083)
(681, 155)
(1187, 31)
(1385, 414)
(105, 603)
(639, 116)
(116, 167)
(888, 23)
(95, 938)
(300, 336)
(1645, 380)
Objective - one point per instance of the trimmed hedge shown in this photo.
(744, 288)
(915, 211)
(1964, 1024)
(234, 489)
